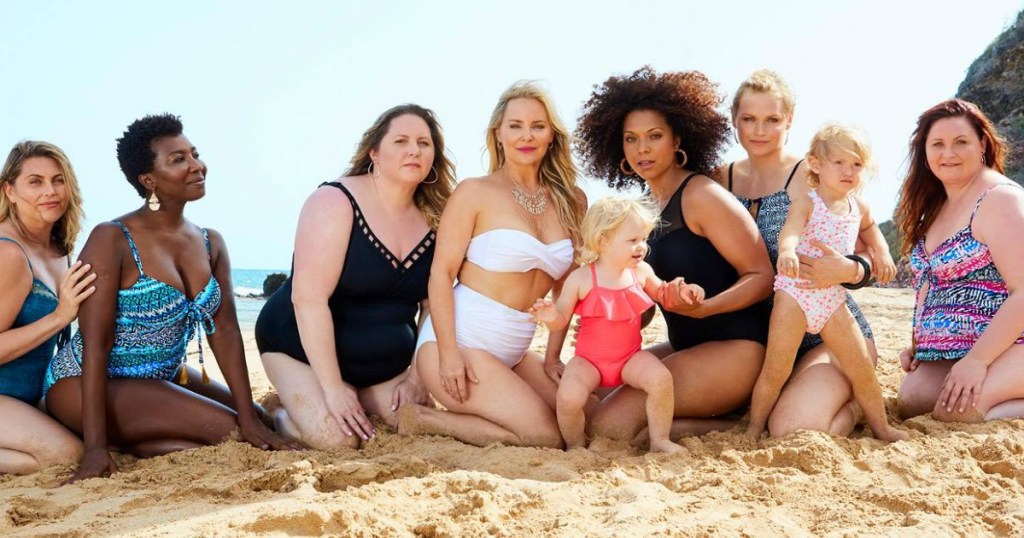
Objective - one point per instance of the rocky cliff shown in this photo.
(995, 82)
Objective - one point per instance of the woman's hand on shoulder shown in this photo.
(75, 287)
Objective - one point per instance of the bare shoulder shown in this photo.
(473, 190)
(329, 202)
(13, 263)
(702, 189)
(1002, 205)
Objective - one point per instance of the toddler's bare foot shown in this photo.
(890, 434)
(664, 445)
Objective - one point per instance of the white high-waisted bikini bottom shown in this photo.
(483, 323)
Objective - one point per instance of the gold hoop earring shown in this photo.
(626, 169)
(436, 177)
(686, 158)
(153, 202)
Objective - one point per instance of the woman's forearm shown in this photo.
(229, 351)
(442, 311)
(16, 342)
(94, 393)
(749, 289)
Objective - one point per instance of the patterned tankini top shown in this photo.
(153, 324)
(965, 290)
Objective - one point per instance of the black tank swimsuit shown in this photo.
(373, 307)
(677, 251)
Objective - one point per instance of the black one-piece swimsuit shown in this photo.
(373, 307)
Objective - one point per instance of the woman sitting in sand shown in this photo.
(338, 337)
(961, 219)
(610, 293)
(161, 282)
(663, 132)
(40, 216)
(832, 213)
(817, 395)
(508, 237)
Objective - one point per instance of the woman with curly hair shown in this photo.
(509, 238)
(338, 337)
(961, 217)
(122, 381)
(817, 396)
(663, 132)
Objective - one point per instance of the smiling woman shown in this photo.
(40, 215)
(960, 217)
(159, 286)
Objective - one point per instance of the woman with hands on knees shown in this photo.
(961, 219)
(662, 131)
(159, 285)
(817, 395)
(834, 214)
(40, 291)
(508, 238)
(610, 293)
(338, 337)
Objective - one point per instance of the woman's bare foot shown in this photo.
(664, 445)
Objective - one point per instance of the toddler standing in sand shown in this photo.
(834, 215)
(609, 292)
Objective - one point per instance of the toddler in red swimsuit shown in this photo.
(610, 292)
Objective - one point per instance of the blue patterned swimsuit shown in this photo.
(22, 378)
(770, 213)
(153, 324)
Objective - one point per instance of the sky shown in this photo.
(275, 95)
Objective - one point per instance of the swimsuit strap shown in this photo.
(206, 238)
(593, 274)
(791, 174)
(131, 243)
(982, 197)
(730, 176)
(23, 251)
(687, 180)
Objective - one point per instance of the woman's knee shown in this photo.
(911, 404)
(62, 452)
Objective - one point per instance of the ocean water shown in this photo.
(248, 292)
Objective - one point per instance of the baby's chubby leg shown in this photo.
(786, 331)
(574, 389)
(644, 371)
(844, 339)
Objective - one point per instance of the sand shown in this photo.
(946, 480)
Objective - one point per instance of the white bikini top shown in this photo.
(505, 250)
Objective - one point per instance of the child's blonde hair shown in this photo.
(606, 215)
(835, 137)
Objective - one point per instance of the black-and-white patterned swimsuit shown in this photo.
(770, 213)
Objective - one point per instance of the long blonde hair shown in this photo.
(431, 195)
(606, 215)
(66, 229)
(557, 171)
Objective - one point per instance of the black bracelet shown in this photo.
(867, 273)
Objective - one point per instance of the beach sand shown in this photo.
(946, 480)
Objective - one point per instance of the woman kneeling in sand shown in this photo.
(509, 238)
(961, 220)
(161, 281)
(338, 337)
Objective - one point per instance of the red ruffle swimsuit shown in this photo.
(610, 327)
